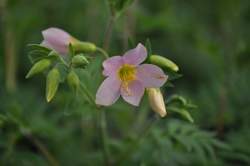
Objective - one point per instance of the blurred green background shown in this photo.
(208, 39)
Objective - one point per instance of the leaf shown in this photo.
(187, 115)
(221, 145)
(177, 98)
(39, 47)
(36, 55)
(184, 113)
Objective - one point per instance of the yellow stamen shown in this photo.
(127, 73)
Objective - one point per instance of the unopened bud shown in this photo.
(52, 83)
(80, 46)
(73, 80)
(79, 61)
(39, 67)
(156, 101)
(163, 62)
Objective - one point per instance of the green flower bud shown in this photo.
(52, 83)
(80, 46)
(163, 62)
(39, 67)
(79, 61)
(73, 80)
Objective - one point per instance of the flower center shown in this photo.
(127, 73)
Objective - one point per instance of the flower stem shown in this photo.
(87, 94)
(63, 61)
(104, 136)
(108, 32)
(103, 52)
(43, 149)
(137, 141)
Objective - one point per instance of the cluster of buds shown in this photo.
(127, 76)
(59, 50)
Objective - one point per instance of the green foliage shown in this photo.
(180, 105)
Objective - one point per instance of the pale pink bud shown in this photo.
(156, 101)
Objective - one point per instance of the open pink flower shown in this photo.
(56, 39)
(126, 77)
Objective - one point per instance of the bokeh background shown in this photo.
(208, 39)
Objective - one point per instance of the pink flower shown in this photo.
(127, 78)
(57, 39)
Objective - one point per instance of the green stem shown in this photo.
(102, 122)
(108, 32)
(43, 149)
(87, 94)
(63, 61)
(104, 137)
(103, 52)
(137, 141)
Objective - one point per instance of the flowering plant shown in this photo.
(60, 55)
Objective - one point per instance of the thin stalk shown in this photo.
(108, 32)
(43, 149)
(104, 137)
(87, 94)
(63, 61)
(103, 52)
(9, 48)
(137, 141)
(103, 122)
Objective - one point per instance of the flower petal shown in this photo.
(151, 76)
(135, 56)
(133, 92)
(111, 65)
(108, 92)
(57, 38)
(46, 44)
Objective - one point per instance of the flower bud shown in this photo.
(56, 39)
(52, 83)
(79, 61)
(156, 101)
(73, 80)
(86, 47)
(39, 67)
(163, 62)
(59, 40)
